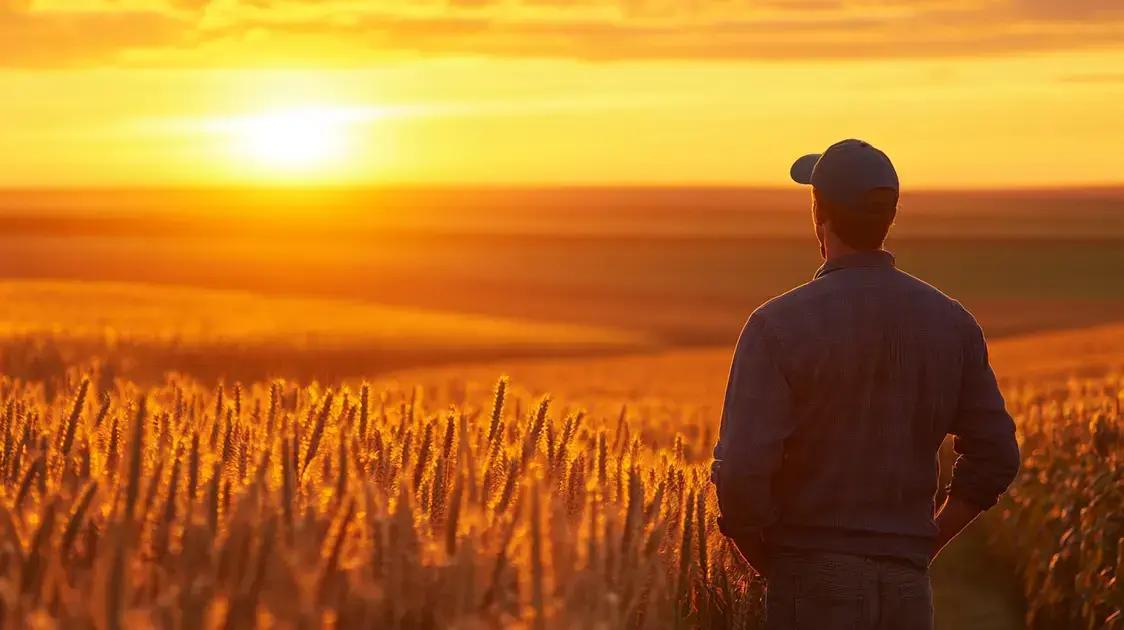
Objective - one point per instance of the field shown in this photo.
(280, 505)
(138, 329)
(684, 267)
(229, 409)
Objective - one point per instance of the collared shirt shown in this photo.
(840, 394)
(875, 259)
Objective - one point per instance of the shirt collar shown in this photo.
(878, 258)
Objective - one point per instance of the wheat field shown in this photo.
(277, 505)
(1062, 524)
(282, 506)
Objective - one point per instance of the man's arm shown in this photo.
(756, 419)
(952, 518)
(988, 453)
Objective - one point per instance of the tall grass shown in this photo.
(1063, 522)
(273, 504)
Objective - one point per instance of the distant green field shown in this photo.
(685, 291)
(143, 330)
(676, 267)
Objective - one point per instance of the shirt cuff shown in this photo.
(974, 497)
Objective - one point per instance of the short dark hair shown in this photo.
(863, 225)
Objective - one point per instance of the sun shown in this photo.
(304, 139)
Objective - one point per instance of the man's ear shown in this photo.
(817, 218)
(821, 238)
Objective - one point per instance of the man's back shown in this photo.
(877, 364)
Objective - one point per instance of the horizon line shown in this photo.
(529, 187)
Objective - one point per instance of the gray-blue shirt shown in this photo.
(840, 394)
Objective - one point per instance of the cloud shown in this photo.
(1069, 9)
(356, 32)
(33, 39)
(12, 6)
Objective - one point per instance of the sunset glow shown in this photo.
(974, 94)
(292, 140)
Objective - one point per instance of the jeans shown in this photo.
(810, 590)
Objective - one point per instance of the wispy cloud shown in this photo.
(40, 38)
(349, 32)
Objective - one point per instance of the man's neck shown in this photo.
(834, 248)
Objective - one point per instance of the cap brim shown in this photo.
(801, 171)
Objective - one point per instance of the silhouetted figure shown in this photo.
(840, 394)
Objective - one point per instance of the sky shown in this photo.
(960, 93)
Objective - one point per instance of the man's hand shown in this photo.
(753, 550)
(952, 518)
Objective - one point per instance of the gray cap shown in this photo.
(846, 171)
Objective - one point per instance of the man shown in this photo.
(840, 394)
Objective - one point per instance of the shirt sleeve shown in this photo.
(988, 453)
(756, 420)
